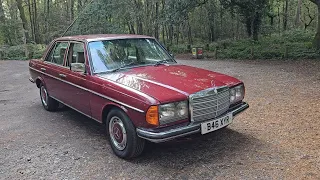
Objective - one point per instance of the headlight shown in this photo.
(173, 112)
(236, 94)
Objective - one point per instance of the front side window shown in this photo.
(76, 58)
(76, 53)
(109, 55)
(58, 53)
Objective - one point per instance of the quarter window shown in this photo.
(58, 53)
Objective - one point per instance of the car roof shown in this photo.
(97, 37)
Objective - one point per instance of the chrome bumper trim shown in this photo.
(192, 128)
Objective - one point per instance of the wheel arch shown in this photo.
(107, 108)
(39, 81)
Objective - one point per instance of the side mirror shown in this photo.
(78, 67)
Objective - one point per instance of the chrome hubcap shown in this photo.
(118, 133)
(44, 95)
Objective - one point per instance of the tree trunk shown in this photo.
(71, 11)
(317, 37)
(285, 18)
(24, 20)
(298, 15)
(249, 26)
(36, 24)
(2, 16)
(156, 26)
(3, 29)
(31, 19)
(256, 26)
(47, 24)
(189, 34)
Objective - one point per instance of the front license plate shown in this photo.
(216, 124)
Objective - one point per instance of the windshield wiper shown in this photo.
(162, 62)
(123, 66)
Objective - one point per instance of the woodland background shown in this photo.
(238, 29)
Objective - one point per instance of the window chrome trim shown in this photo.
(51, 63)
(93, 92)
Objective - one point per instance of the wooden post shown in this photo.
(252, 53)
(216, 52)
(286, 52)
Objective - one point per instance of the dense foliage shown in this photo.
(177, 24)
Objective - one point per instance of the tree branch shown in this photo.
(317, 2)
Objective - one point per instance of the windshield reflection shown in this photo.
(112, 55)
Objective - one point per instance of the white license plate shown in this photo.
(216, 124)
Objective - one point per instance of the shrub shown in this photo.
(295, 44)
(18, 52)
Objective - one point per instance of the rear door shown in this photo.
(75, 93)
(52, 67)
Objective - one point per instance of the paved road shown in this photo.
(278, 137)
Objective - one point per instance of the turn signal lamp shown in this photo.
(152, 116)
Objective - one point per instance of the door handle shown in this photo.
(43, 69)
(62, 75)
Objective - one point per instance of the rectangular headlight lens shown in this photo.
(236, 94)
(172, 112)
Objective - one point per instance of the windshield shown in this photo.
(110, 55)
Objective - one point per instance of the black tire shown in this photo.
(48, 103)
(134, 145)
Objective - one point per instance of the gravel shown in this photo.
(276, 138)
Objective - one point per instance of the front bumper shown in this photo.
(170, 133)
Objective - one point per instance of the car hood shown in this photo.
(168, 83)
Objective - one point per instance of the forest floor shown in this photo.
(278, 137)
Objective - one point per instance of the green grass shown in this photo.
(291, 45)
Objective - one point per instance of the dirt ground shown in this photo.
(278, 137)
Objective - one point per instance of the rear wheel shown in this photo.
(122, 135)
(48, 103)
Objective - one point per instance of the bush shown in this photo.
(18, 52)
(295, 44)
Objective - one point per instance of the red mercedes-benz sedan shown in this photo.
(133, 86)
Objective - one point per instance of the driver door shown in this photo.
(76, 94)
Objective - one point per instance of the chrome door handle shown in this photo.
(43, 69)
(62, 75)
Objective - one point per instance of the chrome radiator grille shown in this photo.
(209, 104)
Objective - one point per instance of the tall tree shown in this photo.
(24, 20)
(317, 37)
(251, 11)
(3, 29)
(285, 16)
(298, 14)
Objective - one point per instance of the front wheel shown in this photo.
(122, 135)
(48, 103)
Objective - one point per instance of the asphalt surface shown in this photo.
(276, 138)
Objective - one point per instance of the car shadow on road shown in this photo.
(197, 150)
(182, 152)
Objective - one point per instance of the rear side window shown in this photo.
(58, 53)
